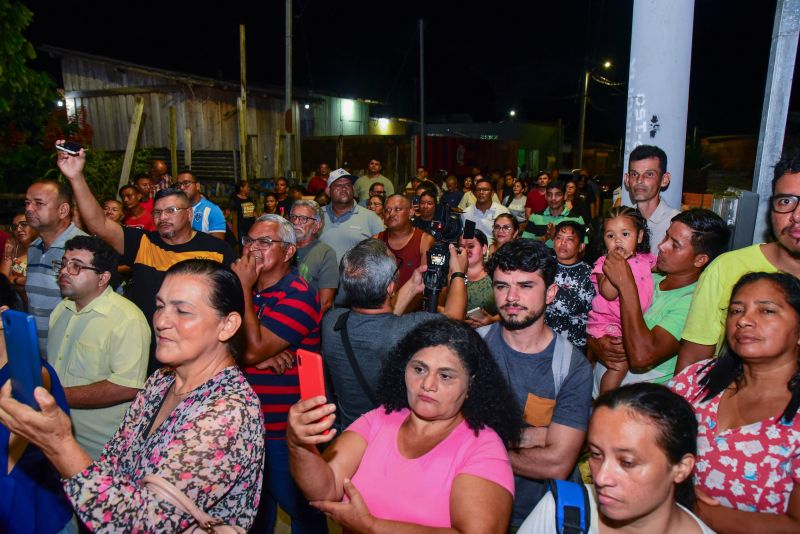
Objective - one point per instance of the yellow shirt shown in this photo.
(109, 339)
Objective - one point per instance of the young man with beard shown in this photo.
(550, 379)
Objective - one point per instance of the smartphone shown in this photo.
(476, 313)
(24, 361)
(70, 148)
(312, 379)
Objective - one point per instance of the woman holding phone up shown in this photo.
(434, 448)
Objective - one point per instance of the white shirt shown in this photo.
(658, 223)
(484, 220)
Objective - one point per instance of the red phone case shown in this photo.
(309, 367)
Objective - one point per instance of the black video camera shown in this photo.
(446, 228)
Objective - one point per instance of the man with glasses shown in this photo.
(647, 176)
(149, 254)
(98, 343)
(282, 314)
(206, 216)
(48, 207)
(346, 222)
(485, 210)
(316, 261)
(705, 324)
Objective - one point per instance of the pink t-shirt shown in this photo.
(604, 317)
(752, 468)
(418, 491)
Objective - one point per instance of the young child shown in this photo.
(625, 231)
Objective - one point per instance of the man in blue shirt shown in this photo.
(206, 216)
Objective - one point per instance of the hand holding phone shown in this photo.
(312, 379)
(24, 362)
(69, 147)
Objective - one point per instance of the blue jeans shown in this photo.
(278, 488)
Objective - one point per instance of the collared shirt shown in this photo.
(484, 220)
(207, 217)
(41, 284)
(362, 185)
(343, 232)
(109, 339)
(659, 222)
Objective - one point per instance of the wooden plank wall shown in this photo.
(210, 112)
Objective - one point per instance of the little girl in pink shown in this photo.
(625, 230)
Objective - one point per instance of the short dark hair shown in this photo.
(171, 192)
(128, 186)
(788, 164)
(483, 181)
(578, 229)
(489, 402)
(561, 185)
(428, 193)
(670, 413)
(710, 234)
(141, 177)
(510, 217)
(240, 185)
(224, 293)
(105, 258)
(649, 151)
(481, 238)
(63, 190)
(528, 255)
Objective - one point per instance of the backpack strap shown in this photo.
(572, 507)
(562, 358)
(341, 326)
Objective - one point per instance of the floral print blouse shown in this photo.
(210, 447)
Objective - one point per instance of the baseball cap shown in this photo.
(340, 173)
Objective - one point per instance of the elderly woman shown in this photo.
(433, 455)
(642, 440)
(197, 423)
(746, 403)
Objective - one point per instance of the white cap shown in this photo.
(340, 173)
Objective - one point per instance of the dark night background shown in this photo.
(482, 59)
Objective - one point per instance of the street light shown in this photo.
(512, 113)
(584, 98)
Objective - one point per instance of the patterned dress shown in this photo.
(752, 468)
(210, 447)
(568, 311)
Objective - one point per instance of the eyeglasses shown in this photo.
(20, 225)
(167, 212)
(302, 219)
(784, 203)
(72, 267)
(185, 184)
(263, 242)
(502, 227)
(648, 175)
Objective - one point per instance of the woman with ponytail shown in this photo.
(746, 401)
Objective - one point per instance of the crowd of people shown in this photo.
(628, 341)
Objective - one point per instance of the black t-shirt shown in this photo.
(245, 210)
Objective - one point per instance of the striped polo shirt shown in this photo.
(41, 284)
(290, 310)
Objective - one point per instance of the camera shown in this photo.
(446, 228)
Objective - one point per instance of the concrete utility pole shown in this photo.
(288, 107)
(658, 85)
(421, 92)
(782, 56)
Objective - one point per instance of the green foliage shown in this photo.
(103, 169)
(26, 99)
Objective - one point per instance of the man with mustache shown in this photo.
(550, 379)
(647, 176)
(705, 324)
(149, 254)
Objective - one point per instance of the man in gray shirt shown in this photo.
(316, 261)
(372, 326)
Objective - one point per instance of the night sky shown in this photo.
(482, 59)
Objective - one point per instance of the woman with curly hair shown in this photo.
(435, 447)
(746, 402)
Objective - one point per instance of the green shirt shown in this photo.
(109, 339)
(537, 224)
(668, 311)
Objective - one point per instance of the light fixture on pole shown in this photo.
(589, 73)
